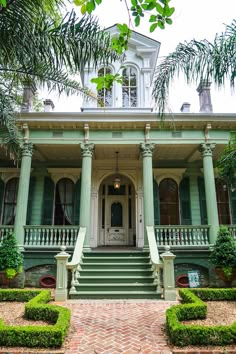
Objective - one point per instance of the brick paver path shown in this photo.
(115, 327)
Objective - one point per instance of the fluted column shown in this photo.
(87, 150)
(206, 150)
(23, 191)
(146, 150)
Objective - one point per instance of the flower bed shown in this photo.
(36, 308)
(194, 307)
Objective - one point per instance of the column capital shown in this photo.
(147, 149)
(87, 149)
(27, 149)
(207, 149)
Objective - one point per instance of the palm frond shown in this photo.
(197, 60)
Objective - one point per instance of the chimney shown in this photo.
(185, 108)
(48, 105)
(205, 96)
(28, 96)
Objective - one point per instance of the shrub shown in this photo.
(11, 260)
(194, 308)
(36, 309)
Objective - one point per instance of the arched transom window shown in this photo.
(104, 95)
(129, 87)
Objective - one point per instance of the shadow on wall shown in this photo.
(41, 276)
(182, 271)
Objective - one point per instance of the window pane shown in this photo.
(129, 87)
(64, 202)
(169, 202)
(116, 215)
(104, 95)
(133, 97)
(9, 208)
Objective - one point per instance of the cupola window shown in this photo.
(129, 87)
(104, 95)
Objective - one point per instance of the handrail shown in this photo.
(73, 265)
(153, 245)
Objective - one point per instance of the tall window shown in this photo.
(64, 202)
(104, 95)
(10, 198)
(169, 202)
(129, 87)
(222, 203)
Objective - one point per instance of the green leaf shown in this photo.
(3, 3)
(160, 24)
(83, 9)
(159, 9)
(90, 7)
(134, 2)
(152, 18)
(169, 21)
(137, 21)
(170, 11)
(153, 27)
(98, 2)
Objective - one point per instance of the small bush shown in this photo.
(194, 308)
(35, 309)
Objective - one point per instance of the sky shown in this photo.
(200, 19)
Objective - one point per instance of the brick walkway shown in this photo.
(115, 327)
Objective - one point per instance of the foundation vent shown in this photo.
(117, 135)
(176, 134)
(58, 134)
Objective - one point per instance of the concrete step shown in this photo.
(115, 272)
(115, 259)
(116, 295)
(130, 279)
(120, 266)
(115, 287)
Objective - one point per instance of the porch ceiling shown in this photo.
(169, 152)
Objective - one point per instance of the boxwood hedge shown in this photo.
(193, 307)
(36, 308)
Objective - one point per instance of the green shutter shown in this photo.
(30, 200)
(202, 200)
(77, 202)
(233, 207)
(2, 187)
(48, 200)
(156, 203)
(185, 205)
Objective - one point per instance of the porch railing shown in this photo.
(232, 229)
(182, 235)
(50, 236)
(4, 229)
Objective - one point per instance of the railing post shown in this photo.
(61, 285)
(168, 275)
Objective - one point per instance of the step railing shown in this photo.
(182, 235)
(47, 236)
(74, 264)
(155, 258)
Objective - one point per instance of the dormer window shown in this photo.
(129, 87)
(104, 95)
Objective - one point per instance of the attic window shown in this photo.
(57, 134)
(117, 134)
(104, 95)
(129, 87)
(177, 134)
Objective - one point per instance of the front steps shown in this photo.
(115, 275)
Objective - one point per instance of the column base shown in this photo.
(61, 295)
(170, 295)
(87, 249)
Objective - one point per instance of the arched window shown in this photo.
(10, 199)
(64, 202)
(222, 203)
(104, 95)
(169, 202)
(129, 87)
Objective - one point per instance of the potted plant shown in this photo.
(223, 256)
(11, 260)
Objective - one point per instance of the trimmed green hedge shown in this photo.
(193, 307)
(36, 309)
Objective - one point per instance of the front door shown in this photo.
(116, 221)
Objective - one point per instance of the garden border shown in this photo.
(35, 309)
(194, 307)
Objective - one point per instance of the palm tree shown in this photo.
(198, 60)
(40, 47)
